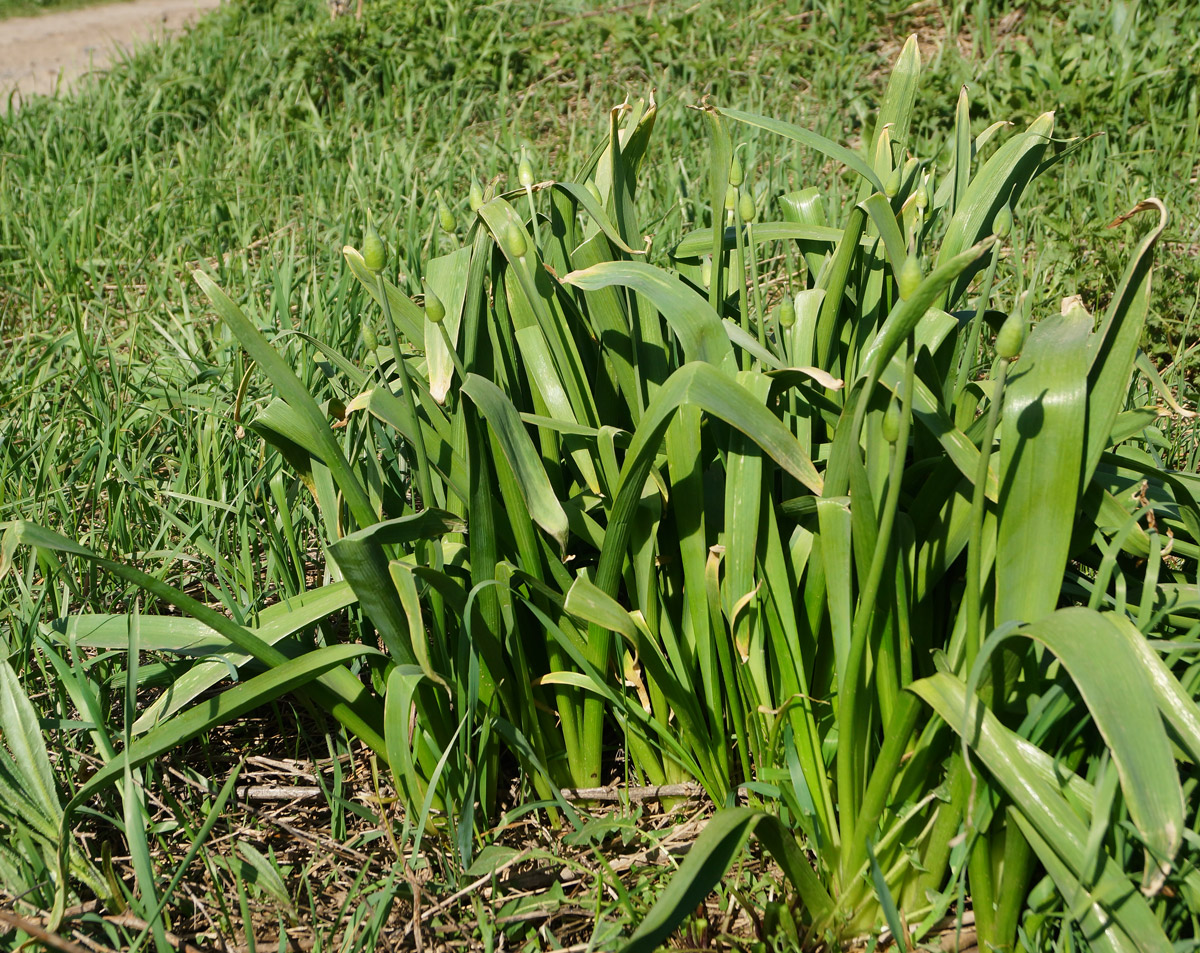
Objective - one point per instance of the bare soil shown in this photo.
(43, 53)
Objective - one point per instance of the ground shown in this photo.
(39, 53)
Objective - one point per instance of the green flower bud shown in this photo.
(890, 426)
(746, 208)
(475, 196)
(514, 238)
(368, 336)
(892, 183)
(706, 272)
(731, 198)
(435, 311)
(1011, 338)
(787, 312)
(373, 252)
(593, 191)
(909, 277)
(1003, 222)
(445, 216)
(909, 166)
(736, 176)
(524, 171)
(922, 196)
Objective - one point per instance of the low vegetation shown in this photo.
(817, 454)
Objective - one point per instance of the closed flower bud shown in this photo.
(787, 312)
(373, 253)
(524, 171)
(706, 272)
(746, 207)
(731, 198)
(922, 197)
(445, 216)
(1003, 222)
(1011, 338)
(891, 184)
(514, 238)
(475, 196)
(368, 336)
(435, 311)
(736, 176)
(593, 191)
(890, 426)
(909, 278)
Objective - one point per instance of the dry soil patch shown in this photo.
(38, 53)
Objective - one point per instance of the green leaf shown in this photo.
(1041, 458)
(693, 320)
(1113, 347)
(1124, 920)
(806, 137)
(1117, 687)
(522, 456)
(713, 853)
(294, 392)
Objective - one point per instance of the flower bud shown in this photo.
(445, 216)
(475, 196)
(706, 272)
(435, 311)
(787, 312)
(890, 426)
(891, 184)
(746, 208)
(368, 336)
(373, 252)
(1003, 222)
(731, 198)
(514, 238)
(1011, 338)
(922, 197)
(594, 192)
(524, 171)
(909, 277)
(736, 176)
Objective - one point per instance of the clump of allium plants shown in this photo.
(823, 510)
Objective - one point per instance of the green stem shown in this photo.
(424, 487)
(967, 356)
(743, 298)
(849, 746)
(978, 501)
(761, 323)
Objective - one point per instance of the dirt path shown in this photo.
(36, 51)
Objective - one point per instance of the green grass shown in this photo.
(32, 8)
(127, 406)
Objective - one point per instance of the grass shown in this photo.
(30, 8)
(132, 417)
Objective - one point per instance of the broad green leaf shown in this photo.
(700, 241)
(1114, 345)
(344, 696)
(1118, 688)
(1041, 459)
(522, 456)
(694, 322)
(713, 853)
(447, 277)
(1119, 904)
(1001, 181)
(806, 137)
(224, 708)
(21, 731)
(294, 392)
(410, 320)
